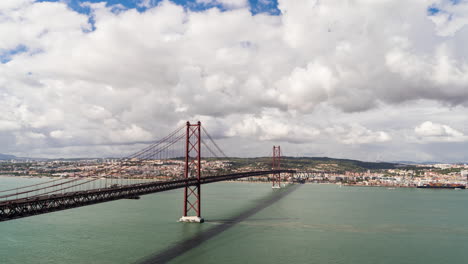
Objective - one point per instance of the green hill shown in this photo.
(313, 163)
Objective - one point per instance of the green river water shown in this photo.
(311, 224)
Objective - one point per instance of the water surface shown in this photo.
(311, 224)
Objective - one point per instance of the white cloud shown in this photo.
(273, 126)
(33, 135)
(30, 139)
(7, 125)
(305, 88)
(132, 133)
(451, 17)
(34, 25)
(429, 131)
(357, 134)
(13, 4)
(300, 77)
(59, 134)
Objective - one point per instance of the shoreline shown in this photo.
(230, 181)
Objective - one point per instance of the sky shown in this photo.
(375, 80)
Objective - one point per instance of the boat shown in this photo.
(442, 186)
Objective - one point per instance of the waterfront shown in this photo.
(313, 224)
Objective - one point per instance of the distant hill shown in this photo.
(343, 164)
(298, 163)
(417, 163)
(319, 163)
(7, 157)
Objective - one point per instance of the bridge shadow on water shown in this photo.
(191, 243)
(222, 221)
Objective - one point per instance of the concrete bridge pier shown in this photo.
(191, 219)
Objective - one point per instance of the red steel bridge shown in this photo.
(122, 178)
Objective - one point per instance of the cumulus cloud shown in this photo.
(59, 134)
(449, 16)
(357, 134)
(429, 131)
(30, 139)
(273, 126)
(117, 75)
(6, 125)
(304, 88)
(13, 4)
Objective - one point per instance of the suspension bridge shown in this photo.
(121, 179)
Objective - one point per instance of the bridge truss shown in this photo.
(107, 183)
(50, 203)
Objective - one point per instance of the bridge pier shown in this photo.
(191, 219)
(276, 166)
(192, 194)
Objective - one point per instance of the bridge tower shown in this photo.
(192, 195)
(276, 166)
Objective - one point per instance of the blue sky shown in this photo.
(6, 56)
(257, 6)
(434, 9)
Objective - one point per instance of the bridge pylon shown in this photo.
(192, 194)
(276, 181)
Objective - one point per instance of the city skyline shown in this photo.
(366, 80)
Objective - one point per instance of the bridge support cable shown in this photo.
(182, 147)
(37, 190)
(19, 208)
(32, 185)
(220, 151)
(156, 145)
(109, 174)
(80, 184)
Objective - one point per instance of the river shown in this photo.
(250, 223)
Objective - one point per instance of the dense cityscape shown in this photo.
(329, 171)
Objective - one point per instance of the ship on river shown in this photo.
(443, 186)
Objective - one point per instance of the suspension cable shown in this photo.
(38, 189)
(65, 188)
(214, 143)
(37, 184)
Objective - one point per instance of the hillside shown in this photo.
(316, 163)
(6, 157)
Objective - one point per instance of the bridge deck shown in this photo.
(24, 207)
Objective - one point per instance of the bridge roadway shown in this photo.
(18, 208)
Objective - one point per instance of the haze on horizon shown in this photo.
(375, 80)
